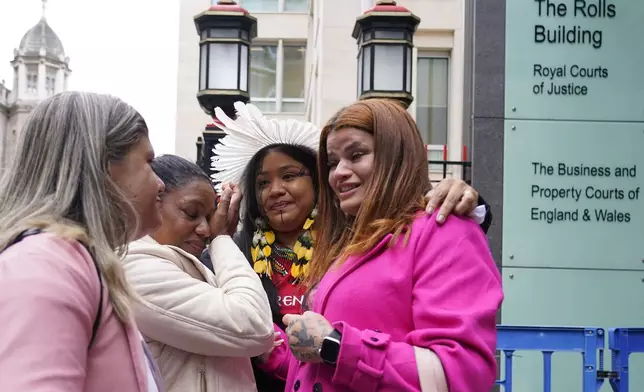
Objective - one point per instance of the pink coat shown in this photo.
(423, 314)
(49, 293)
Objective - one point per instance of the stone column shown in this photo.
(21, 92)
(488, 112)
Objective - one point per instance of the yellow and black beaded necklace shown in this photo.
(265, 250)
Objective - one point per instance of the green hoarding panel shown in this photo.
(597, 298)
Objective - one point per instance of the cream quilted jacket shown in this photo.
(202, 328)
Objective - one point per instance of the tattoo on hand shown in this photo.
(299, 336)
(305, 335)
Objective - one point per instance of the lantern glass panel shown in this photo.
(223, 69)
(390, 34)
(223, 33)
(243, 68)
(244, 34)
(408, 66)
(388, 68)
(366, 68)
(204, 34)
(367, 35)
(203, 64)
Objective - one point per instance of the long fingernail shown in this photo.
(440, 218)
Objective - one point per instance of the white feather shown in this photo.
(248, 134)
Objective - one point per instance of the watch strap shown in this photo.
(335, 334)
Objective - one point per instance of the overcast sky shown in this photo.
(127, 48)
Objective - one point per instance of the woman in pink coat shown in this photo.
(397, 304)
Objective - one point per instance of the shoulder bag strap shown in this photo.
(97, 319)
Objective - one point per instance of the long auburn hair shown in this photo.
(394, 194)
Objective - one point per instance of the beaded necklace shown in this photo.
(264, 250)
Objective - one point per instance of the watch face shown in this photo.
(330, 350)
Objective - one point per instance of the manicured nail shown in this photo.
(430, 210)
(440, 218)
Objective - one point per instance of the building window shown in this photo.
(294, 69)
(51, 85)
(32, 80)
(263, 77)
(431, 99)
(32, 84)
(296, 5)
(277, 74)
(275, 5)
(50, 82)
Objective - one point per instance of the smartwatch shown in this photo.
(330, 349)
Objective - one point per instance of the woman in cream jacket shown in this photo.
(201, 327)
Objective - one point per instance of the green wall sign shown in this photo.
(575, 60)
(573, 194)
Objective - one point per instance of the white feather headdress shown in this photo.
(251, 132)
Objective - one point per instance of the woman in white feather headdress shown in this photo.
(275, 163)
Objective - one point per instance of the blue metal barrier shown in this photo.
(585, 340)
(622, 342)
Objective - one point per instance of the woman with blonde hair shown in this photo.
(79, 189)
(397, 304)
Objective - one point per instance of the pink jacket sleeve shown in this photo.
(456, 295)
(278, 362)
(49, 295)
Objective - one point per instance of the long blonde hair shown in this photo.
(59, 181)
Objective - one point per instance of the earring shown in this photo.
(260, 224)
